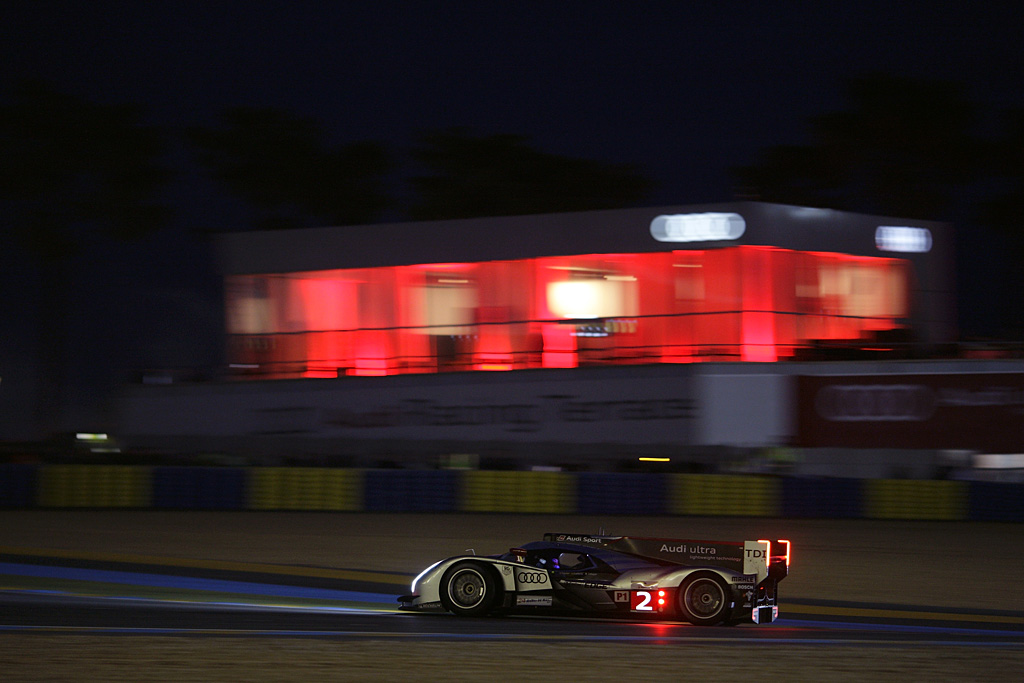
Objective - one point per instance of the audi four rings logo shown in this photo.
(532, 578)
(875, 402)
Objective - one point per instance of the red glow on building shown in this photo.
(742, 303)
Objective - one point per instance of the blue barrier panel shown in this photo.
(171, 487)
(17, 485)
(614, 493)
(822, 498)
(199, 488)
(411, 490)
(223, 488)
(995, 502)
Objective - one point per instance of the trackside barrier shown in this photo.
(411, 490)
(913, 499)
(821, 497)
(95, 486)
(592, 493)
(305, 488)
(199, 488)
(724, 495)
(18, 485)
(497, 491)
(612, 493)
(995, 502)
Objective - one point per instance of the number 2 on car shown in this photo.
(648, 600)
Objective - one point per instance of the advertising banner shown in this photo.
(631, 406)
(976, 411)
(681, 551)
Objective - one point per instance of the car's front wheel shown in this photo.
(703, 600)
(468, 590)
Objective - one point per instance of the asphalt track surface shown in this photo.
(67, 594)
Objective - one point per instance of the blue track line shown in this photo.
(902, 628)
(189, 583)
(508, 637)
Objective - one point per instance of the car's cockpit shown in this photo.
(556, 559)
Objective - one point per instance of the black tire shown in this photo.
(704, 600)
(468, 589)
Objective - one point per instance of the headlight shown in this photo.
(424, 573)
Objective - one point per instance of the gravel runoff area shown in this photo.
(937, 564)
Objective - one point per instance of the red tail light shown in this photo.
(768, 550)
(788, 547)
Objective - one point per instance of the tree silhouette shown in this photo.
(501, 175)
(72, 173)
(67, 164)
(898, 149)
(912, 148)
(283, 166)
(1002, 210)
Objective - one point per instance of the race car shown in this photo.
(704, 582)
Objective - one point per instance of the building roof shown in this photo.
(557, 234)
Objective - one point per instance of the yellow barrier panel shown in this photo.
(264, 488)
(53, 486)
(491, 491)
(724, 495)
(342, 490)
(301, 489)
(133, 486)
(305, 488)
(481, 491)
(98, 486)
(915, 499)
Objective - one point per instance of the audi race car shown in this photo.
(704, 582)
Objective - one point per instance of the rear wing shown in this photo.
(743, 557)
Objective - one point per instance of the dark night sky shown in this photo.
(684, 90)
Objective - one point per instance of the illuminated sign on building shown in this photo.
(742, 303)
(903, 239)
(698, 227)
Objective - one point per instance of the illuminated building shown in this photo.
(730, 282)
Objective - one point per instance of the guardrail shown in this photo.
(591, 493)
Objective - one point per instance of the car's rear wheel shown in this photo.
(703, 600)
(468, 589)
